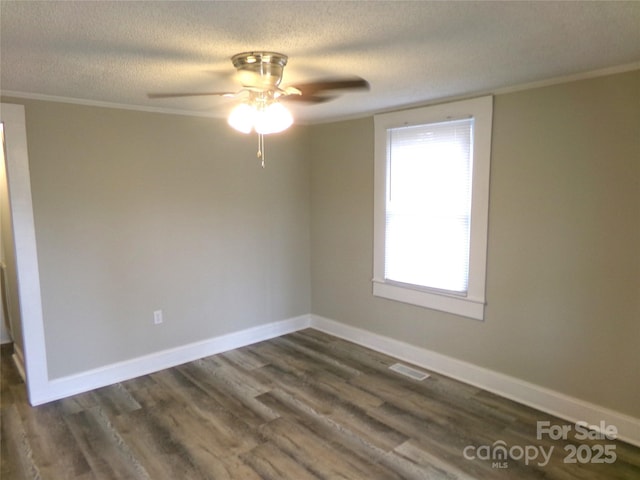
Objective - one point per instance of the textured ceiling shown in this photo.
(411, 52)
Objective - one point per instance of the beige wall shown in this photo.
(563, 274)
(136, 212)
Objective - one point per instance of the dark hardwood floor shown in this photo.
(302, 406)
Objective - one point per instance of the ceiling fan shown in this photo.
(260, 110)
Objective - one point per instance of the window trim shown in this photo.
(472, 304)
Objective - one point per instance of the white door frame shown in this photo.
(19, 181)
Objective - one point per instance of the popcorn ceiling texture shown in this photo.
(411, 52)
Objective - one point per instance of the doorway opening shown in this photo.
(20, 259)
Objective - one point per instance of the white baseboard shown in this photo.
(118, 372)
(529, 394)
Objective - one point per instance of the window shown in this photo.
(431, 205)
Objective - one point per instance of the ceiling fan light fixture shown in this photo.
(260, 74)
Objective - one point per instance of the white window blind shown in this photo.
(428, 208)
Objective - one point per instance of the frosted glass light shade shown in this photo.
(272, 119)
(242, 118)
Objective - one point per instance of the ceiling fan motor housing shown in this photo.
(260, 69)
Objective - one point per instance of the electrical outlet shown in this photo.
(157, 317)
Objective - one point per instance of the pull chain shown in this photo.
(261, 148)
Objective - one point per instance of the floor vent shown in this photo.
(408, 371)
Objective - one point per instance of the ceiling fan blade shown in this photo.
(308, 98)
(349, 83)
(172, 95)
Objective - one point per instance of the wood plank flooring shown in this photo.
(302, 406)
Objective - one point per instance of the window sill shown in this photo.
(464, 306)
